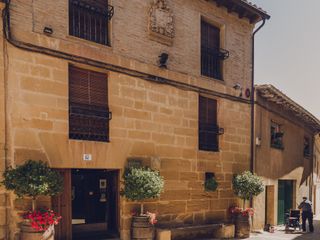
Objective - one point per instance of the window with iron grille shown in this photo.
(88, 19)
(208, 128)
(211, 54)
(88, 105)
(306, 147)
(276, 136)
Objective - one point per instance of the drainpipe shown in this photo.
(6, 138)
(252, 101)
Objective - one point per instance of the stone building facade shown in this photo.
(155, 111)
(286, 155)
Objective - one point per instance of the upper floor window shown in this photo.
(88, 19)
(211, 53)
(88, 105)
(276, 136)
(306, 147)
(208, 128)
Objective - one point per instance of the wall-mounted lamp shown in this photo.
(48, 30)
(163, 58)
(238, 87)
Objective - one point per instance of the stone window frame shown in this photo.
(78, 39)
(217, 123)
(218, 23)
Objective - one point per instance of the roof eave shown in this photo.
(244, 9)
(307, 117)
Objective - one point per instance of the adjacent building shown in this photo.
(94, 86)
(286, 155)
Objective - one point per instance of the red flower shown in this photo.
(243, 212)
(41, 220)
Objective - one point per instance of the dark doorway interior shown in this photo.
(94, 197)
(285, 199)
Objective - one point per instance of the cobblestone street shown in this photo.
(281, 235)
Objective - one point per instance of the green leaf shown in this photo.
(141, 184)
(33, 178)
(247, 185)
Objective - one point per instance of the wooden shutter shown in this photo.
(208, 128)
(210, 47)
(88, 105)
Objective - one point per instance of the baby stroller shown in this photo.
(293, 220)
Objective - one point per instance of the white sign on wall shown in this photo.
(87, 157)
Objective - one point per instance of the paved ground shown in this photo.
(281, 235)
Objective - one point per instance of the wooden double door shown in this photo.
(88, 205)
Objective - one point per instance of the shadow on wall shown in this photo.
(276, 163)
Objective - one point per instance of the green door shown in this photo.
(285, 199)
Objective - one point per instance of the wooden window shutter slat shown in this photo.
(88, 105)
(98, 88)
(208, 128)
(78, 85)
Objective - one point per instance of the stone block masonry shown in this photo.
(154, 122)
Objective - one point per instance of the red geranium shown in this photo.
(243, 212)
(42, 219)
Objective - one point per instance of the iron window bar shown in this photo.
(219, 53)
(211, 61)
(89, 110)
(208, 136)
(87, 122)
(90, 22)
(106, 13)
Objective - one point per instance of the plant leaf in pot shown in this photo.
(247, 185)
(211, 184)
(32, 179)
(141, 184)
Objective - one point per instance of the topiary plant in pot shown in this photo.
(33, 179)
(141, 184)
(245, 186)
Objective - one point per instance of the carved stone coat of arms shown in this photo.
(161, 22)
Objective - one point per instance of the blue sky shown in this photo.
(288, 50)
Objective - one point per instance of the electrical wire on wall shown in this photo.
(110, 67)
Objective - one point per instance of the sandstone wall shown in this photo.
(152, 121)
(155, 122)
(130, 38)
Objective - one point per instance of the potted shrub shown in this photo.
(245, 186)
(34, 179)
(141, 184)
(210, 184)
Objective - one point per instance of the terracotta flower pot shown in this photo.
(29, 233)
(242, 226)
